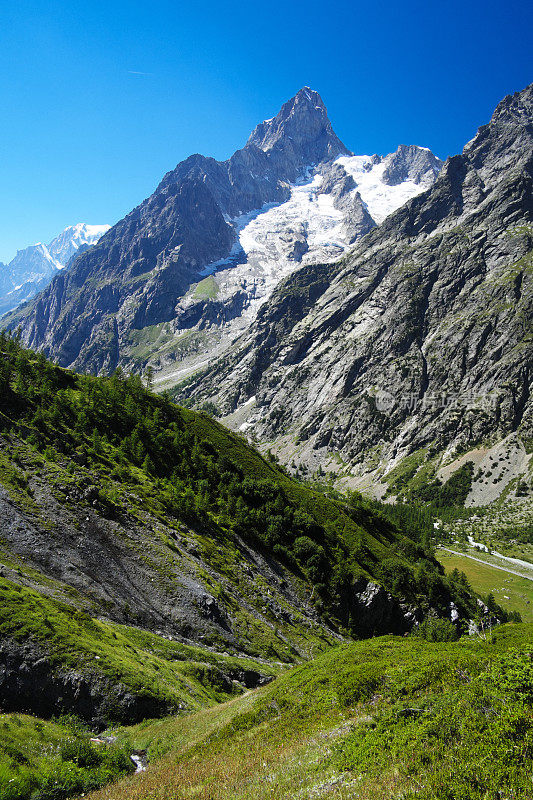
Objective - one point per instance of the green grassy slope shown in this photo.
(385, 718)
(46, 760)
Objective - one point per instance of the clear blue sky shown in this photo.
(100, 99)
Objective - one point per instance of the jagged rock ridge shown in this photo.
(419, 340)
(176, 281)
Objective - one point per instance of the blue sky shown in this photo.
(99, 100)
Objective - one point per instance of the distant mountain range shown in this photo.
(176, 281)
(34, 267)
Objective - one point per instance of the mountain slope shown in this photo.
(418, 342)
(383, 718)
(34, 267)
(387, 718)
(175, 282)
(118, 505)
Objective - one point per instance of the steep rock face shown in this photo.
(411, 163)
(419, 338)
(29, 681)
(177, 280)
(376, 610)
(300, 135)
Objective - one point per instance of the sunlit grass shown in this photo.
(510, 591)
(283, 741)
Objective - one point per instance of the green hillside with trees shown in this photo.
(185, 467)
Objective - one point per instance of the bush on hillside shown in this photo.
(434, 629)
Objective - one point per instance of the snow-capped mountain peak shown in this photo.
(216, 237)
(35, 266)
(69, 242)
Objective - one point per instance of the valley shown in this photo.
(266, 479)
(509, 589)
(160, 565)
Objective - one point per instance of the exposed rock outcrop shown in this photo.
(419, 338)
(374, 610)
(409, 163)
(31, 683)
(176, 281)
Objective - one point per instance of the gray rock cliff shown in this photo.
(419, 338)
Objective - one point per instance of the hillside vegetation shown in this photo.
(153, 563)
(142, 453)
(386, 718)
(391, 717)
(50, 760)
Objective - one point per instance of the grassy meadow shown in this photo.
(391, 717)
(510, 591)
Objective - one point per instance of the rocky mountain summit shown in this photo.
(414, 347)
(34, 267)
(177, 280)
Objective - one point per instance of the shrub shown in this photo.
(396, 575)
(359, 684)
(434, 629)
(80, 752)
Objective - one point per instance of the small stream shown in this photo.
(140, 759)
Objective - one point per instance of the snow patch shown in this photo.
(275, 240)
(379, 198)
